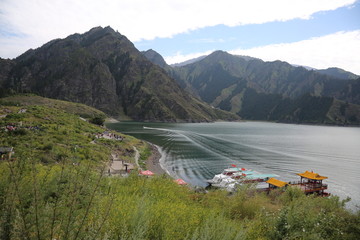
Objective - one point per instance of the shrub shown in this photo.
(19, 132)
(97, 120)
(14, 117)
(48, 147)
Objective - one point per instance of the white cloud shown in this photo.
(340, 49)
(208, 40)
(43, 20)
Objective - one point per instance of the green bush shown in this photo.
(18, 131)
(14, 117)
(97, 120)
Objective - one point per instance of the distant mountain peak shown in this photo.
(154, 57)
(106, 29)
(219, 53)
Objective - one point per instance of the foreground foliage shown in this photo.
(77, 202)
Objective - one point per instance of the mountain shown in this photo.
(304, 109)
(220, 70)
(5, 67)
(188, 62)
(155, 58)
(275, 91)
(103, 69)
(338, 73)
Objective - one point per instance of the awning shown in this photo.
(146, 173)
(311, 175)
(276, 182)
(180, 181)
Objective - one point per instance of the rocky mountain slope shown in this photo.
(220, 70)
(103, 69)
(275, 91)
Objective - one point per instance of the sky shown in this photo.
(314, 33)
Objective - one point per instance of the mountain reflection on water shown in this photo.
(197, 151)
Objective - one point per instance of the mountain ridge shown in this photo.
(103, 69)
(331, 71)
(271, 91)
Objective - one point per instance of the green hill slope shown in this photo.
(55, 131)
(74, 108)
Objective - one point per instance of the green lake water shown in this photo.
(197, 151)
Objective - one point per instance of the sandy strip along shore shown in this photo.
(153, 162)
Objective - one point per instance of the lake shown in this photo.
(197, 151)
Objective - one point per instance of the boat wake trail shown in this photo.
(193, 162)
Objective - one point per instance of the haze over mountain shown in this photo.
(103, 69)
(275, 91)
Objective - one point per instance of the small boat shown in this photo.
(230, 178)
(259, 179)
(228, 173)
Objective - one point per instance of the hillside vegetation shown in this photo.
(54, 187)
(31, 100)
(54, 130)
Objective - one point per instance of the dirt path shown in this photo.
(117, 166)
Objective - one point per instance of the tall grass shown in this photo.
(77, 202)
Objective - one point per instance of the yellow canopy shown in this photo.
(311, 175)
(276, 182)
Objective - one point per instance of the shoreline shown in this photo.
(111, 120)
(153, 162)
